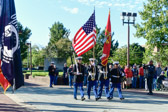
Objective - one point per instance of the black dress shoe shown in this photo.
(122, 98)
(110, 98)
(82, 99)
(75, 98)
(99, 97)
(150, 93)
(96, 99)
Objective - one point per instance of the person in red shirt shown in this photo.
(141, 79)
(128, 73)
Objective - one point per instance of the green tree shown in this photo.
(58, 31)
(38, 56)
(120, 55)
(64, 48)
(59, 43)
(24, 35)
(154, 27)
(160, 56)
(136, 54)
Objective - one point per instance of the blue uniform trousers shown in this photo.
(70, 79)
(118, 86)
(81, 89)
(55, 80)
(134, 82)
(85, 80)
(91, 84)
(106, 89)
(141, 82)
(51, 80)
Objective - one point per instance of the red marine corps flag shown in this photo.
(107, 43)
(85, 38)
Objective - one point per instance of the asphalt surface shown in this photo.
(38, 97)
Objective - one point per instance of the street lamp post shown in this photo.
(123, 15)
(29, 44)
(71, 54)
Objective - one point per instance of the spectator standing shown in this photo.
(65, 74)
(141, 78)
(135, 76)
(156, 75)
(158, 70)
(71, 75)
(121, 69)
(51, 71)
(150, 76)
(154, 80)
(55, 74)
(145, 67)
(128, 73)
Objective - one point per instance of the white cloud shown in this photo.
(120, 4)
(101, 4)
(131, 4)
(71, 10)
(84, 1)
(110, 4)
(87, 2)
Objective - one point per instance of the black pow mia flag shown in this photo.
(11, 64)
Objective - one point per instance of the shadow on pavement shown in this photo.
(12, 108)
(82, 106)
(30, 84)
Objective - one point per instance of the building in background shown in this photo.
(59, 62)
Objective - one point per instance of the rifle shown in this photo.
(77, 71)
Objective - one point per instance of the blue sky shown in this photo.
(39, 15)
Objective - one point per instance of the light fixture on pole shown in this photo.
(29, 44)
(128, 15)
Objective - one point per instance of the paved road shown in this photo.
(60, 99)
(8, 105)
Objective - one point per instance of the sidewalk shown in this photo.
(39, 97)
(6, 104)
(163, 94)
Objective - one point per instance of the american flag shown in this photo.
(85, 38)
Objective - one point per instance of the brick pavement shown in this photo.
(6, 104)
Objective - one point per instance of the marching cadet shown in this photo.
(116, 76)
(78, 78)
(103, 81)
(92, 78)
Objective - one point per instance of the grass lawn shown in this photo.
(40, 73)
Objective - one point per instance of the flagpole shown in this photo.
(94, 43)
(13, 87)
(94, 51)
